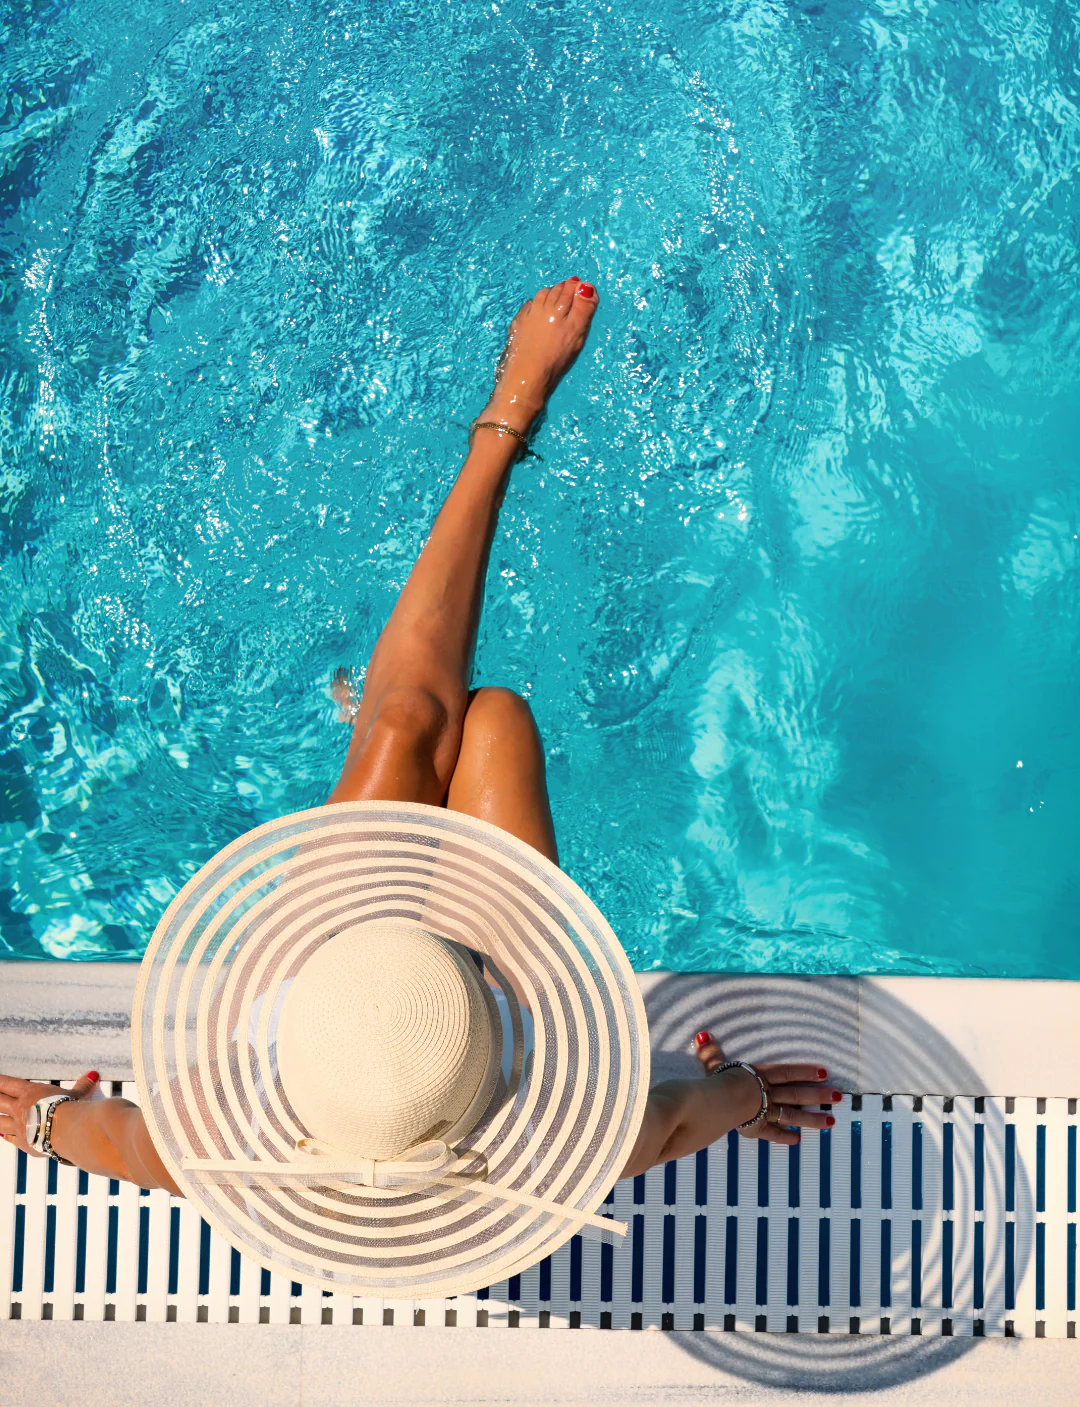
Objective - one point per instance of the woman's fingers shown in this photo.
(771, 1134)
(791, 1121)
(85, 1085)
(792, 1074)
(803, 1094)
(802, 1118)
(16, 1096)
(708, 1052)
(10, 1122)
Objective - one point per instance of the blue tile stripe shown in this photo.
(978, 1297)
(793, 1261)
(855, 1265)
(980, 1167)
(701, 1232)
(733, 1169)
(916, 1264)
(761, 1278)
(762, 1173)
(667, 1286)
(731, 1260)
(946, 1265)
(948, 1193)
(1010, 1167)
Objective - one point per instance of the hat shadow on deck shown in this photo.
(789, 1018)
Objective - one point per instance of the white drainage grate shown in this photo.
(912, 1216)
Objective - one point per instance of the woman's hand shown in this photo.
(682, 1116)
(790, 1089)
(18, 1097)
(108, 1136)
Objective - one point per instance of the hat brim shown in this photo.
(204, 1059)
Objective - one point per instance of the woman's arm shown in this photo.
(682, 1116)
(106, 1136)
(685, 1115)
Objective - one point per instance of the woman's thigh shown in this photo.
(500, 774)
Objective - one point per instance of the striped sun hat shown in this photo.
(390, 1049)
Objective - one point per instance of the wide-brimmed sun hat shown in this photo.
(390, 1049)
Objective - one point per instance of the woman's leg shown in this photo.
(408, 730)
(500, 771)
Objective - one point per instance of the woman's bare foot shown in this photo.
(541, 347)
(345, 694)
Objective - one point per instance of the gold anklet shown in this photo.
(506, 430)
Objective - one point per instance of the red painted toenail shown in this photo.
(586, 291)
(703, 1038)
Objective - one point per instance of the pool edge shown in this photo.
(1011, 1036)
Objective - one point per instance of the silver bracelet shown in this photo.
(742, 1065)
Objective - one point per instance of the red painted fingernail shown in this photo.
(821, 1074)
(836, 1096)
(829, 1121)
(93, 1076)
(586, 291)
(703, 1038)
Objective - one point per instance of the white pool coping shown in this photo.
(975, 1036)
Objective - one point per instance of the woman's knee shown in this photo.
(412, 715)
(499, 712)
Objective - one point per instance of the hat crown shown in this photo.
(384, 1040)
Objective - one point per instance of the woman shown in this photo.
(421, 735)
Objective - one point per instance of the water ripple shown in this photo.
(794, 589)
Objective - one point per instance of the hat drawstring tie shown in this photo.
(424, 1160)
(433, 1163)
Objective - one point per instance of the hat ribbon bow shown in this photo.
(432, 1163)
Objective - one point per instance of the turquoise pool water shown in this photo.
(794, 591)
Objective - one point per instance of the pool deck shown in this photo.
(264, 1365)
(952, 1036)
